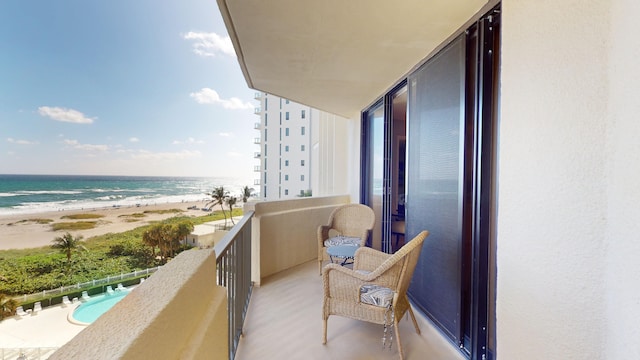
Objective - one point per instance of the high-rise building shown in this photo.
(285, 147)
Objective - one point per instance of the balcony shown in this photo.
(257, 95)
(256, 141)
(188, 317)
(257, 111)
(257, 126)
(256, 168)
(256, 155)
(256, 181)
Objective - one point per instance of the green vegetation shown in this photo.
(70, 226)
(68, 244)
(7, 306)
(218, 197)
(28, 271)
(167, 211)
(35, 220)
(82, 216)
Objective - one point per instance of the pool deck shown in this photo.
(49, 328)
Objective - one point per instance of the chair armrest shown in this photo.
(369, 259)
(323, 234)
(340, 282)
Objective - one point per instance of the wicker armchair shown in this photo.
(375, 290)
(351, 220)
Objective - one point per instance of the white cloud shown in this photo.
(148, 155)
(210, 44)
(65, 115)
(134, 139)
(210, 96)
(234, 154)
(21, 142)
(225, 134)
(189, 140)
(86, 147)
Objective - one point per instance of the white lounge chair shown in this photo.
(37, 307)
(20, 311)
(141, 280)
(65, 301)
(85, 296)
(109, 290)
(121, 288)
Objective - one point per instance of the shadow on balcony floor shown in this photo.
(284, 322)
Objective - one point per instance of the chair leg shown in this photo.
(413, 318)
(324, 331)
(397, 330)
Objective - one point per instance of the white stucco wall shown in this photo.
(622, 294)
(569, 161)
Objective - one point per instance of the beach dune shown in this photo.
(16, 232)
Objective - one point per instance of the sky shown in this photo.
(122, 87)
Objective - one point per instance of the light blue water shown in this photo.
(40, 193)
(91, 310)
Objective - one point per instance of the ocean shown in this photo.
(39, 193)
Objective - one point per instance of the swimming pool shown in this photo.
(88, 312)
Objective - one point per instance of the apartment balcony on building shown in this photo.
(256, 140)
(256, 168)
(256, 181)
(257, 126)
(257, 292)
(256, 155)
(257, 111)
(257, 95)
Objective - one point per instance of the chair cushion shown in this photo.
(376, 295)
(342, 241)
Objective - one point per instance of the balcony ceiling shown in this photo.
(337, 55)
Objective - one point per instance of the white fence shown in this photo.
(89, 284)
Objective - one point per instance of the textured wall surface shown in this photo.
(553, 178)
(622, 292)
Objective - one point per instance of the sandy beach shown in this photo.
(16, 232)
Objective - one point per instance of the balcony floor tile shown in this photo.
(284, 322)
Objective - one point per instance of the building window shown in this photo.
(265, 119)
(280, 103)
(265, 178)
(265, 192)
(265, 164)
(302, 114)
(301, 147)
(280, 164)
(286, 178)
(279, 178)
(265, 135)
(301, 163)
(286, 101)
(286, 132)
(301, 177)
(286, 115)
(286, 191)
(265, 109)
(280, 151)
(265, 150)
(280, 118)
(280, 134)
(286, 163)
(286, 148)
(302, 130)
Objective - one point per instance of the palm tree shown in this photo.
(151, 238)
(231, 201)
(183, 229)
(219, 196)
(68, 244)
(7, 306)
(246, 193)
